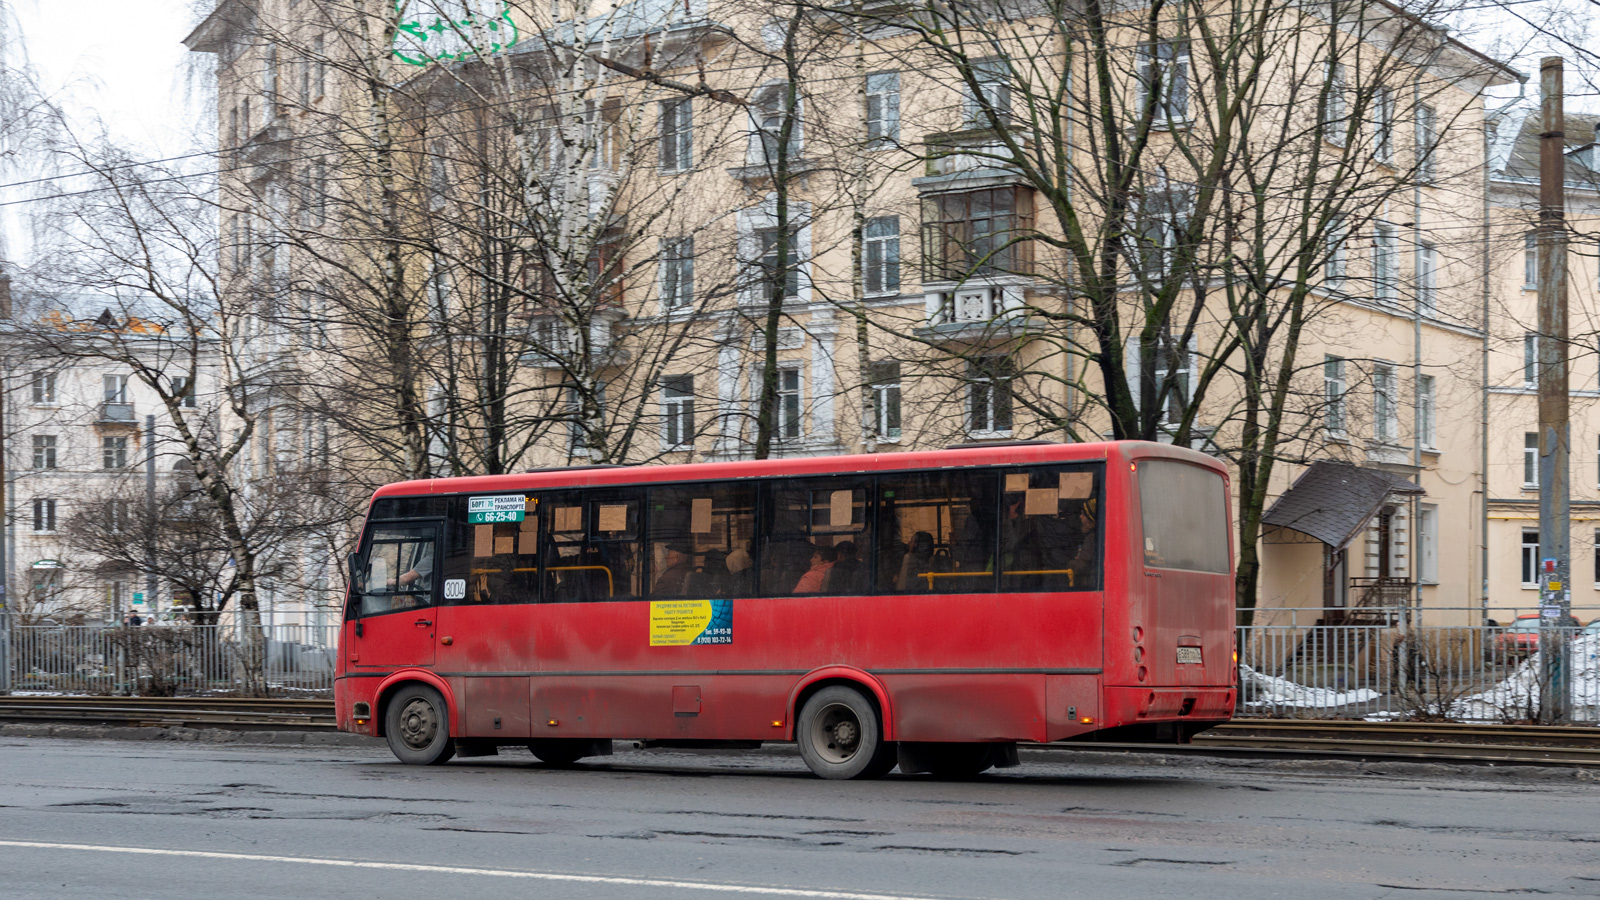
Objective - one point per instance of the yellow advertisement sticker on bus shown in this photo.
(679, 623)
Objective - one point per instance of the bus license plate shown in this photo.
(1189, 656)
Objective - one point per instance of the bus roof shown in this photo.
(996, 455)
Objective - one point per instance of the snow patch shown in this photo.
(1517, 697)
(1269, 690)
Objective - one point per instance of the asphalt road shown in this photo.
(107, 819)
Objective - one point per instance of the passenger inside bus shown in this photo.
(675, 578)
(822, 559)
(847, 575)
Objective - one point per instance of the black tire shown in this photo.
(417, 725)
(560, 752)
(958, 761)
(841, 736)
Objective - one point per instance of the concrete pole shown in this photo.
(150, 516)
(1555, 513)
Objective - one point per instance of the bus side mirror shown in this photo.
(353, 595)
(350, 563)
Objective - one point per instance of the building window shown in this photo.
(976, 233)
(790, 399)
(44, 451)
(1427, 278)
(1383, 124)
(677, 135)
(989, 395)
(1333, 109)
(766, 125)
(993, 77)
(1530, 460)
(269, 85)
(1597, 557)
(677, 411)
(1333, 388)
(1530, 359)
(116, 388)
(767, 274)
(119, 516)
(1426, 406)
(1385, 253)
(183, 390)
(1164, 76)
(677, 272)
(885, 377)
(320, 82)
(114, 452)
(1530, 559)
(1385, 414)
(1427, 139)
(1530, 261)
(1428, 543)
(880, 255)
(44, 515)
(883, 108)
(44, 388)
(1333, 267)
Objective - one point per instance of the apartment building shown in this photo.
(822, 245)
(82, 433)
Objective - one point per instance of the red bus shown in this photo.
(926, 609)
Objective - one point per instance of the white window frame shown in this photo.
(676, 149)
(1164, 64)
(44, 515)
(766, 121)
(1528, 559)
(883, 108)
(1428, 543)
(1385, 262)
(114, 452)
(677, 412)
(1385, 406)
(885, 380)
(880, 256)
(1334, 387)
(46, 449)
(1427, 278)
(751, 222)
(1427, 412)
(978, 381)
(1335, 108)
(1335, 262)
(789, 426)
(1383, 124)
(677, 273)
(993, 76)
(114, 388)
(1427, 138)
(1530, 360)
(1530, 460)
(1530, 261)
(44, 389)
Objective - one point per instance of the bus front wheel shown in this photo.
(418, 726)
(841, 735)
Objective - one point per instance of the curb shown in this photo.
(188, 735)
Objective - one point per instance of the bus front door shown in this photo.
(399, 596)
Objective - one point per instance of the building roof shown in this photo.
(1518, 140)
(1332, 501)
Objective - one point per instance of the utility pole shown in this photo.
(5, 564)
(1555, 539)
(150, 516)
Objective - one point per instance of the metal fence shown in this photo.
(174, 660)
(1406, 668)
(1403, 667)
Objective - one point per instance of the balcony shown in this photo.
(556, 344)
(113, 412)
(970, 152)
(980, 310)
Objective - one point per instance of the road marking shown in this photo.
(463, 870)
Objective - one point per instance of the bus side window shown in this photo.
(700, 540)
(936, 532)
(816, 539)
(591, 546)
(1050, 529)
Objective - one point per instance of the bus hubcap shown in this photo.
(837, 736)
(419, 723)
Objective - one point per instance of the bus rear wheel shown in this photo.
(418, 726)
(841, 736)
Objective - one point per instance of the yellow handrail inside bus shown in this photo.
(611, 588)
(932, 575)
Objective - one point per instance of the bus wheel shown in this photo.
(841, 737)
(418, 727)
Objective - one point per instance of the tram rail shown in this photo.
(1243, 738)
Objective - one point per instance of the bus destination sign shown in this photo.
(499, 508)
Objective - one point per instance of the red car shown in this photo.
(1522, 637)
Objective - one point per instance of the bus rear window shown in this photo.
(1184, 510)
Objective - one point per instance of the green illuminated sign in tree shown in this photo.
(443, 30)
